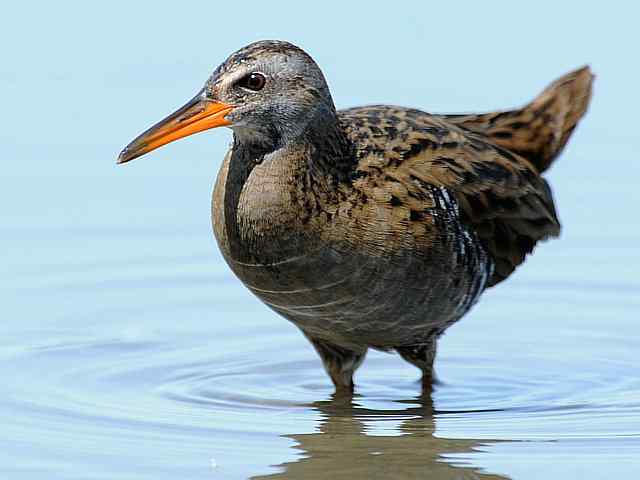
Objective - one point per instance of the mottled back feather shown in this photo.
(490, 163)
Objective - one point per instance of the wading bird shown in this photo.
(376, 226)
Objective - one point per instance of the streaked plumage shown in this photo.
(376, 226)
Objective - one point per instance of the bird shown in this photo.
(373, 227)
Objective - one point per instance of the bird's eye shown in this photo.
(254, 81)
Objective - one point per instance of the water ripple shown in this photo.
(181, 389)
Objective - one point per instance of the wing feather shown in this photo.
(500, 194)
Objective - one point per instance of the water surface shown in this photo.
(130, 351)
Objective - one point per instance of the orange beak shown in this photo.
(195, 116)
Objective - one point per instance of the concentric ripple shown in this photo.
(170, 369)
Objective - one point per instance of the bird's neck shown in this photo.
(319, 143)
(260, 218)
(331, 156)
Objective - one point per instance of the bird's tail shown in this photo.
(540, 130)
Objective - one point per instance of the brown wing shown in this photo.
(500, 194)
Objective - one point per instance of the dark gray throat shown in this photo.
(321, 157)
(332, 156)
(325, 149)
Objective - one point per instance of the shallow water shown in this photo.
(129, 351)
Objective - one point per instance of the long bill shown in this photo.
(197, 115)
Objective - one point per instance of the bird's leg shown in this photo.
(339, 362)
(422, 356)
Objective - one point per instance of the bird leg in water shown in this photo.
(422, 356)
(340, 363)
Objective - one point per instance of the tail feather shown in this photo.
(540, 130)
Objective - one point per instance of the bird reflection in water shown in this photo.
(345, 447)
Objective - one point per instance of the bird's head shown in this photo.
(267, 92)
